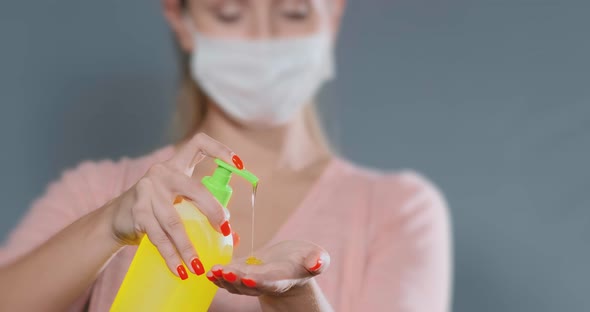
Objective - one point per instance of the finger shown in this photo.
(172, 224)
(225, 278)
(250, 287)
(216, 281)
(231, 276)
(204, 201)
(273, 278)
(229, 287)
(162, 242)
(244, 283)
(232, 281)
(211, 277)
(317, 262)
(222, 284)
(273, 281)
(184, 159)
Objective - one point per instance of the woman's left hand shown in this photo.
(286, 265)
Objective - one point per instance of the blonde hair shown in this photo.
(192, 108)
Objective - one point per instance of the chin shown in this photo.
(261, 124)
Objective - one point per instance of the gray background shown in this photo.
(487, 98)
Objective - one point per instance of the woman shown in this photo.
(254, 68)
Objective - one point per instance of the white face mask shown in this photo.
(262, 82)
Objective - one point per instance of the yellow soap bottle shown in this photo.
(150, 286)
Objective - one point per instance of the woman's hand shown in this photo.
(285, 266)
(147, 207)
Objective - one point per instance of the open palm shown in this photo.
(284, 265)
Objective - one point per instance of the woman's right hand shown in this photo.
(147, 207)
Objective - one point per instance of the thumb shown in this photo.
(317, 262)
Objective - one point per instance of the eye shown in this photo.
(296, 10)
(229, 12)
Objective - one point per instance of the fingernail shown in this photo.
(316, 266)
(212, 278)
(182, 272)
(236, 238)
(197, 266)
(226, 229)
(238, 162)
(230, 277)
(248, 282)
(218, 273)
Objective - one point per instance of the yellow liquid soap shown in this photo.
(252, 260)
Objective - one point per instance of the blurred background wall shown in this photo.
(489, 98)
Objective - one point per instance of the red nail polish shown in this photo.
(230, 277)
(182, 272)
(226, 229)
(248, 282)
(238, 162)
(218, 273)
(316, 266)
(236, 238)
(212, 278)
(197, 266)
(178, 200)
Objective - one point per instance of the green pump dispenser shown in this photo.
(218, 182)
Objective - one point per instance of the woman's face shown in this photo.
(252, 19)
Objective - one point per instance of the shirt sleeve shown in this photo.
(78, 192)
(409, 258)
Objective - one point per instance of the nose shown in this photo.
(262, 28)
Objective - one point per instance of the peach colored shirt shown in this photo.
(388, 235)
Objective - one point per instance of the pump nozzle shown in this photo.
(249, 176)
(218, 182)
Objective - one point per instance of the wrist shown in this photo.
(105, 226)
(304, 289)
(303, 295)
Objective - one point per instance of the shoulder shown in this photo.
(92, 169)
(397, 192)
(100, 180)
(404, 183)
(409, 236)
(78, 191)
